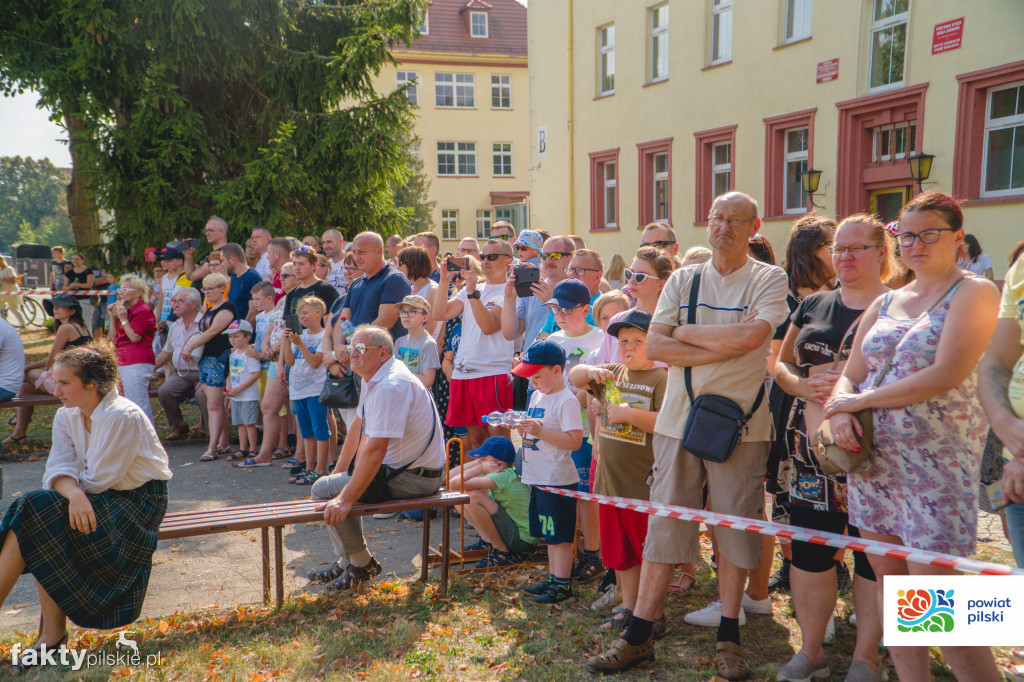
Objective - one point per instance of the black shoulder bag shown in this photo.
(715, 423)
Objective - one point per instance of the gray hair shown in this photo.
(191, 294)
(264, 230)
(221, 223)
(377, 336)
(373, 236)
(736, 197)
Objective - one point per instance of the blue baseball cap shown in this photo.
(570, 293)
(539, 355)
(498, 447)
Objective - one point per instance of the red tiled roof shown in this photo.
(449, 28)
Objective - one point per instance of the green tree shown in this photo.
(261, 111)
(414, 194)
(33, 206)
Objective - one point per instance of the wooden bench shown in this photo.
(39, 399)
(277, 515)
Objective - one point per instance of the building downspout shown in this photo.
(572, 146)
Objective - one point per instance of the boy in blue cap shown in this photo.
(554, 429)
(499, 502)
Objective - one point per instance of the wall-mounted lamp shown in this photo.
(810, 179)
(920, 167)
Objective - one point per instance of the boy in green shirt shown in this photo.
(499, 502)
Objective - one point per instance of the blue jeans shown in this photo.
(1015, 528)
(6, 395)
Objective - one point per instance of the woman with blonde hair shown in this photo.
(213, 365)
(9, 283)
(914, 365)
(132, 329)
(614, 273)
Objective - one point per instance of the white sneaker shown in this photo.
(853, 619)
(830, 629)
(389, 515)
(760, 607)
(710, 616)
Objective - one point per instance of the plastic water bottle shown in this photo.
(494, 419)
(347, 329)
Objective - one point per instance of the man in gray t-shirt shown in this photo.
(12, 361)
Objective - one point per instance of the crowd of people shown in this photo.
(389, 348)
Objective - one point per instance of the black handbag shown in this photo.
(340, 392)
(715, 424)
(377, 491)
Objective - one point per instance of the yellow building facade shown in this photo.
(468, 77)
(647, 110)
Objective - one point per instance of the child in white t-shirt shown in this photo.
(242, 389)
(305, 382)
(554, 429)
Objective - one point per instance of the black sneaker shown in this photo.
(499, 558)
(780, 578)
(480, 544)
(586, 570)
(354, 575)
(539, 588)
(555, 594)
(843, 578)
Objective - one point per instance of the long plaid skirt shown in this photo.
(98, 579)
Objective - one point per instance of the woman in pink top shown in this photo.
(133, 328)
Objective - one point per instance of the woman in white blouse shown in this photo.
(88, 537)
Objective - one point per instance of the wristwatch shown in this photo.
(475, 294)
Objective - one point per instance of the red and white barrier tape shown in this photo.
(75, 292)
(918, 556)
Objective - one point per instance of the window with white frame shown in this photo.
(478, 24)
(798, 20)
(889, 21)
(502, 157)
(891, 142)
(606, 60)
(456, 158)
(501, 92)
(721, 31)
(660, 187)
(454, 90)
(721, 168)
(611, 195)
(796, 163)
(449, 223)
(424, 22)
(1004, 141)
(658, 68)
(483, 223)
(407, 80)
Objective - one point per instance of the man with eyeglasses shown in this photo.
(480, 383)
(216, 232)
(469, 247)
(503, 230)
(739, 305)
(396, 413)
(661, 236)
(184, 380)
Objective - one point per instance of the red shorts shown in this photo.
(623, 533)
(471, 399)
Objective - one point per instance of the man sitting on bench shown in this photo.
(403, 444)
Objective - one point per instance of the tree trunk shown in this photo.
(85, 223)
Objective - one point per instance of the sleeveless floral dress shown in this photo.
(921, 482)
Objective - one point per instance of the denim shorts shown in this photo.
(212, 372)
(6, 395)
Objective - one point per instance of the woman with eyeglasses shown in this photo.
(821, 328)
(919, 485)
(132, 331)
(213, 364)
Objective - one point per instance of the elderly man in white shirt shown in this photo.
(185, 378)
(403, 433)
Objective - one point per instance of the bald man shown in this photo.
(371, 298)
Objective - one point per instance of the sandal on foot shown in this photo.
(224, 449)
(239, 456)
(680, 583)
(617, 621)
(293, 463)
(13, 440)
(208, 456)
(309, 478)
(280, 453)
(252, 463)
(326, 576)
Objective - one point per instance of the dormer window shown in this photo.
(424, 22)
(478, 24)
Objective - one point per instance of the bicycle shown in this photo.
(29, 310)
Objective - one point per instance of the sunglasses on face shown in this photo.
(522, 247)
(502, 237)
(638, 277)
(554, 255)
(558, 310)
(661, 243)
(359, 348)
(491, 256)
(285, 275)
